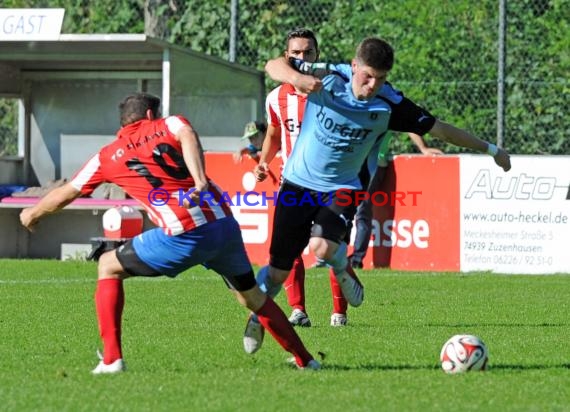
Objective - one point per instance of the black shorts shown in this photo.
(300, 214)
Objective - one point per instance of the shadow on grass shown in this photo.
(497, 324)
(378, 367)
(464, 325)
(529, 367)
(383, 367)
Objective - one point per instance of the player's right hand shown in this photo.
(27, 218)
(307, 84)
(261, 171)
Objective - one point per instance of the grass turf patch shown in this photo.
(182, 344)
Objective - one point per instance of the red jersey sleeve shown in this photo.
(175, 123)
(89, 176)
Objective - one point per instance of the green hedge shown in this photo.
(446, 51)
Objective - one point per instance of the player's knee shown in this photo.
(253, 299)
(319, 247)
(109, 266)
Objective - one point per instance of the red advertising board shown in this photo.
(416, 219)
(419, 228)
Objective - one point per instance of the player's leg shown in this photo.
(272, 318)
(294, 285)
(295, 290)
(150, 254)
(363, 217)
(232, 258)
(113, 268)
(335, 256)
(327, 241)
(109, 303)
(340, 305)
(363, 225)
(291, 231)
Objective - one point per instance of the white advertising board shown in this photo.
(30, 24)
(518, 221)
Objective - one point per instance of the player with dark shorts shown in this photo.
(348, 114)
(316, 214)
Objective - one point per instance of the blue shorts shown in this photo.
(217, 246)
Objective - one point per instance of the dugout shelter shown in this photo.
(68, 91)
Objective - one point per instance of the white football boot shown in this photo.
(253, 335)
(116, 367)
(299, 318)
(338, 319)
(313, 365)
(351, 287)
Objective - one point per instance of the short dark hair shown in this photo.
(133, 108)
(261, 126)
(376, 53)
(303, 34)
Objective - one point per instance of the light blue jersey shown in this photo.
(339, 132)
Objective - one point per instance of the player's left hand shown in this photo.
(503, 159)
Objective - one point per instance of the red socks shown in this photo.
(295, 289)
(274, 320)
(109, 303)
(339, 302)
(295, 285)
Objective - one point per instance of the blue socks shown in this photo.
(339, 261)
(266, 285)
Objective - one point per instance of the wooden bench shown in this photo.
(82, 203)
(77, 224)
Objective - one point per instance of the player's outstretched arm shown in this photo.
(281, 71)
(422, 146)
(271, 146)
(54, 201)
(460, 137)
(194, 158)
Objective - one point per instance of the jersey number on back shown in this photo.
(180, 171)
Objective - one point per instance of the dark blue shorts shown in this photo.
(217, 246)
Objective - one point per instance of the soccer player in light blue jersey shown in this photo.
(348, 113)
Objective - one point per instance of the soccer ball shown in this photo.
(464, 353)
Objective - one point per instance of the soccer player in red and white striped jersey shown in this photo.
(151, 149)
(160, 163)
(285, 107)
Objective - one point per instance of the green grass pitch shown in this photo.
(182, 344)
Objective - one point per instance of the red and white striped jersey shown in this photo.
(285, 109)
(146, 161)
